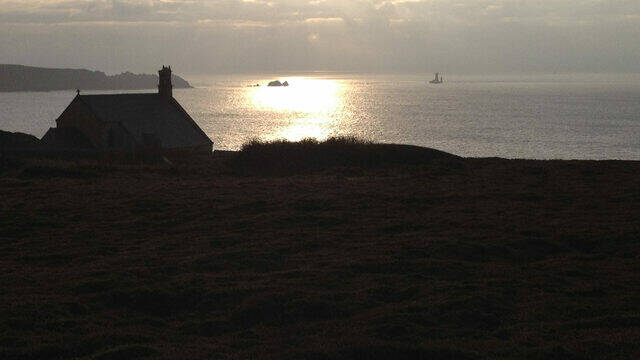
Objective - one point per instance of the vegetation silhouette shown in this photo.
(282, 157)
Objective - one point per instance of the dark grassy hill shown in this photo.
(28, 78)
(478, 259)
(283, 157)
(16, 141)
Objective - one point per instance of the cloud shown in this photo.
(324, 20)
(440, 12)
(371, 35)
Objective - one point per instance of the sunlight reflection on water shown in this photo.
(314, 101)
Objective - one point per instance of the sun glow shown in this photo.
(303, 95)
(315, 105)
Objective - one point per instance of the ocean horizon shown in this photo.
(537, 116)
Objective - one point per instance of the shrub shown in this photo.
(282, 157)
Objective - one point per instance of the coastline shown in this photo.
(21, 78)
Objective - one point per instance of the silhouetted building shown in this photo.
(129, 123)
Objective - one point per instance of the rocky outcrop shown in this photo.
(278, 83)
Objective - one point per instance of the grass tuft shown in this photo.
(282, 157)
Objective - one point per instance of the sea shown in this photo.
(539, 116)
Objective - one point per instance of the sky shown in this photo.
(244, 36)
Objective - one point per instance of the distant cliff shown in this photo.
(27, 78)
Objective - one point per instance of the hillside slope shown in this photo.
(27, 78)
(442, 258)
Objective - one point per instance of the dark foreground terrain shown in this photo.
(238, 256)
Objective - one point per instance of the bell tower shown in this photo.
(165, 89)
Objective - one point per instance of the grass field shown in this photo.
(316, 251)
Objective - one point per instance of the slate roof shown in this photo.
(144, 114)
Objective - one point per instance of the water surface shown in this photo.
(542, 117)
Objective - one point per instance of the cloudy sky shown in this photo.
(211, 36)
